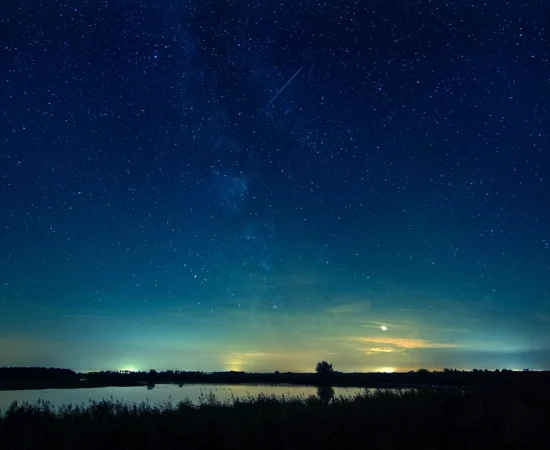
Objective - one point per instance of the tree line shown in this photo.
(325, 375)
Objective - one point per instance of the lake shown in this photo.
(160, 393)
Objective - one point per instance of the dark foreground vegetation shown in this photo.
(427, 418)
(12, 378)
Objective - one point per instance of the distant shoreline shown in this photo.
(40, 385)
(41, 378)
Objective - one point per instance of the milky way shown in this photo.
(389, 209)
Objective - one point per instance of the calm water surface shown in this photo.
(160, 393)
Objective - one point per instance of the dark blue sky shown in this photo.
(389, 209)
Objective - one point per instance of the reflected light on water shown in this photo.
(160, 393)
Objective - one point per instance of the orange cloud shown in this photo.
(407, 343)
(375, 350)
(385, 350)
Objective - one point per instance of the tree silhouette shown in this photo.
(323, 367)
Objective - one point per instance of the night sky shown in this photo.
(389, 209)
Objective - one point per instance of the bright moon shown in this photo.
(384, 328)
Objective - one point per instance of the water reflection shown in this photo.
(161, 393)
(325, 393)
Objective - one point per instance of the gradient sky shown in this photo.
(390, 209)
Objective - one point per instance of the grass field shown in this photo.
(382, 419)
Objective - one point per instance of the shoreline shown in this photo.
(38, 378)
(35, 386)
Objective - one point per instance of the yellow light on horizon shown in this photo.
(387, 369)
(235, 365)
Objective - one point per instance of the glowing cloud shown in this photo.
(375, 350)
(407, 343)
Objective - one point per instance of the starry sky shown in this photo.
(260, 185)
